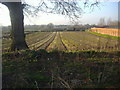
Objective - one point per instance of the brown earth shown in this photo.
(112, 32)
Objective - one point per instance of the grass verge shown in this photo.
(104, 35)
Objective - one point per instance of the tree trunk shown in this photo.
(17, 24)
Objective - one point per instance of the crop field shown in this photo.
(70, 60)
(66, 41)
(76, 41)
(113, 32)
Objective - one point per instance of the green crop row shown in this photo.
(87, 41)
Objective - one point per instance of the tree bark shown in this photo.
(17, 24)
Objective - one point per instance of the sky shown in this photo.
(105, 10)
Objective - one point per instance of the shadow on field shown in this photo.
(58, 69)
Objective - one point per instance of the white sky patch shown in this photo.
(4, 15)
(101, 0)
(10, 0)
(64, 0)
(43, 18)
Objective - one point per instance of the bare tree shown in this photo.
(17, 32)
(69, 8)
(50, 26)
(112, 23)
(101, 22)
(109, 21)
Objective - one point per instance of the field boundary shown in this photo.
(104, 35)
(107, 31)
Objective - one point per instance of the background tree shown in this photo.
(70, 8)
(50, 26)
(109, 21)
(112, 24)
(102, 22)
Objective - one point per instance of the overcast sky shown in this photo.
(106, 10)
